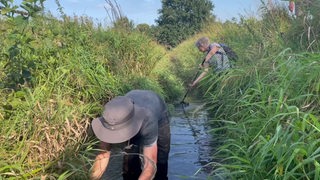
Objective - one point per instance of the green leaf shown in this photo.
(6, 10)
(20, 94)
(15, 103)
(317, 170)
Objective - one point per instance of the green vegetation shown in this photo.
(266, 110)
(55, 75)
(180, 20)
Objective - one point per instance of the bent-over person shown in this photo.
(215, 57)
(140, 119)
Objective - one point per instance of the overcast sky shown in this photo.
(146, 11)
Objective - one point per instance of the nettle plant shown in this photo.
(27, 8)
(18, 59)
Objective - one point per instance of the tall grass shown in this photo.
(270, 126)
(304, 31)
(265, 111)
(56, 74)
(67, 69)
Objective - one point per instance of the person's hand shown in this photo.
(99, 165)
(202, 65)
(191, 85)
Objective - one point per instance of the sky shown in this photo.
(146, 11)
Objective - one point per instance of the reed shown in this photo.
(56, 75)
(73, 68)
(269, 122)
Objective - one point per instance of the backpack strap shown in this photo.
(222, 54)
(218, 52)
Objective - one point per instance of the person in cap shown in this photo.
(140, 119)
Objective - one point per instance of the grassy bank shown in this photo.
(57, 73)
(268, 116)
(265, 111)
(55, 77)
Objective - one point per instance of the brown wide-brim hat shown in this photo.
(120, 121)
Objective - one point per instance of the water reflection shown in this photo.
(191, 145)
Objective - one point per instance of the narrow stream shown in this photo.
(191, 145)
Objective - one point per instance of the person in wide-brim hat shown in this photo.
(121, 120)
(140, 118)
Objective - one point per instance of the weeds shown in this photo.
(269, 132)
(56, 74)
(55, 77)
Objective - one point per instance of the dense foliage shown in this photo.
(305, 28)
(265, 112)
(180, 19)
(56, 74)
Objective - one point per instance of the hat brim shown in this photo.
(119, 135)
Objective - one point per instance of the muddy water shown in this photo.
(191, 146)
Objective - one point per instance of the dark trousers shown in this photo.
(135, 171)
(132, 164)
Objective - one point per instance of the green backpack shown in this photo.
(232, 55)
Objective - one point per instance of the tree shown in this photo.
(180, 19)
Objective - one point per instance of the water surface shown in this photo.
(191, 145)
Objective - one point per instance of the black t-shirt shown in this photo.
(155, 108)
